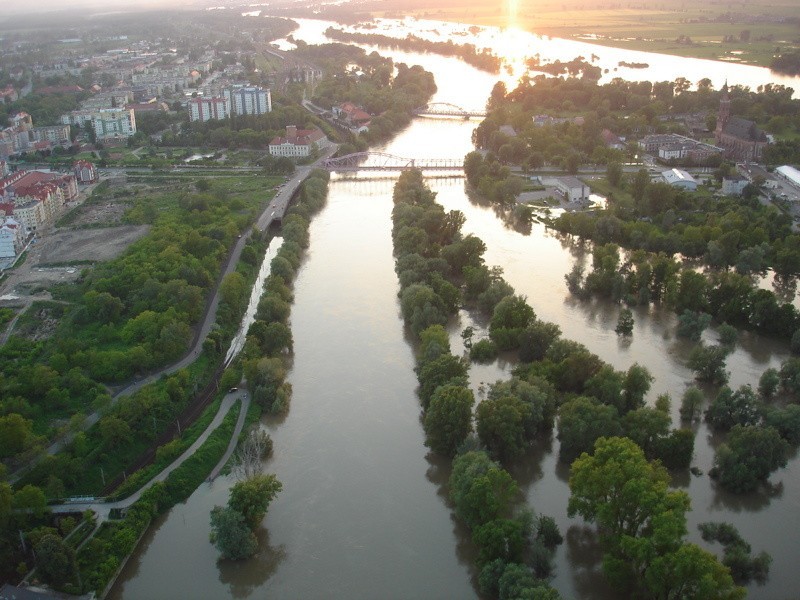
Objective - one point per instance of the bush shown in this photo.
(483, 351)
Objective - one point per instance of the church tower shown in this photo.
(724, 112)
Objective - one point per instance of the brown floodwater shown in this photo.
(363, 512)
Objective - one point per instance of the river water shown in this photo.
(363, 511)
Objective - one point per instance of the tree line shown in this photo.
(595, 404)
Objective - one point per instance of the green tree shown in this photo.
(642, 524)
(231, 535)
(730, 408)
(748, 457)
(581, 423)
(446, 369)
(768, 383)
(535, 340)
(501, 425)
(448, 420)
(55, 561)
(253, 496)
(690, 404)
(115, 432)
(501, 538)
(480, 489)
(510, 318)
(637, 383)
(15, 434)
(708, 363)
(692, 324)
(614, 173)
(625, 322)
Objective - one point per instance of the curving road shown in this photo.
(103, 509)
(275, 211)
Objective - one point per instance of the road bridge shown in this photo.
(445, 109)
(381, 161)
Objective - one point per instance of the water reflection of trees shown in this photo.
(751, 502)
(585, 557)
(243, 577)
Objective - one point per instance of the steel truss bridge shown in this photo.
(445, 109)
(381, 161)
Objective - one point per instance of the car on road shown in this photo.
(233, 389)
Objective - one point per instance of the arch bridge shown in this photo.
(382, 161)
(445, 109)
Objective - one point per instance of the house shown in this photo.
(573, 189)
(680, 179)
(12, 237)
(733, 185)
(354, 116)
(508, 130)
(85, 172)
(297, 143)
(741, 139)
(612, 140)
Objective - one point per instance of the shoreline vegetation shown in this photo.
(600, 409)
(481, 59)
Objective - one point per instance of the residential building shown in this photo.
(12, 237)
(85, 172)
(733, 185)
(612, 140)
(354, 116)
(55, 134)
(741, 139)
(573, 189)
(108, 123)
(248, 100)
(671, 146)
(680, 179)
(206, 109)
(35, 197)
(297, 143)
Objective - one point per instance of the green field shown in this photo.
(642, 25)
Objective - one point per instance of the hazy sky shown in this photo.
(44, 6)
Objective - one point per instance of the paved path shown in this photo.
(234, 440)
(103, 509)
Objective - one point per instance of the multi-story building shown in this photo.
(108, 123)
(248, 100)
(12, 237)
(35, 197)
(206, 109)
(297, 143)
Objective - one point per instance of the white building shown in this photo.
(244, 100)
(298, 143)
(733, 186)
(206, 109)
(12, 237)
(790, 174)
(680, 178)
(107, 123)
(573, 189)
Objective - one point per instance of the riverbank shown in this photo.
(747, 35)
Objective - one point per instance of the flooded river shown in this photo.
(363, 512)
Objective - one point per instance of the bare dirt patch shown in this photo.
(89, 244)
